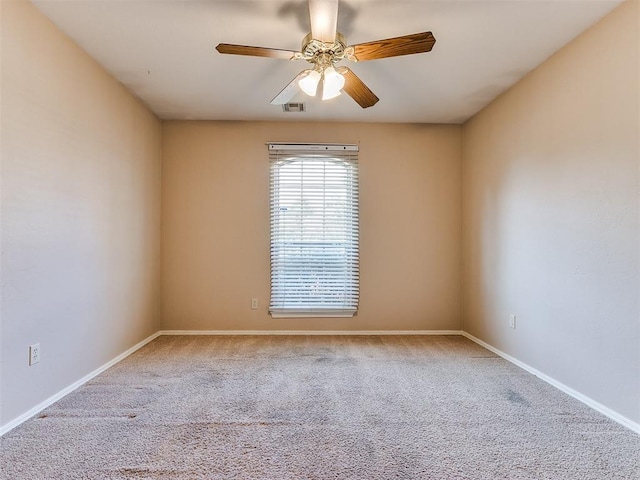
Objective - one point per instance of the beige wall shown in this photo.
(550, 187)
(215, 229)
(80, 217)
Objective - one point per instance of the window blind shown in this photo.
(314, 230)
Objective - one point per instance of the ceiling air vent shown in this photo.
(293, 107)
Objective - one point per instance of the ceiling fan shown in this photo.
(324, 47)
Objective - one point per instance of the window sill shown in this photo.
(331, 314)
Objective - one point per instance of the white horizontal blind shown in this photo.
(314, 230)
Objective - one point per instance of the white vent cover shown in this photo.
(293, 107)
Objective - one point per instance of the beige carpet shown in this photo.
(318, 408)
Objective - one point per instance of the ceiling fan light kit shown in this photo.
(324, 47)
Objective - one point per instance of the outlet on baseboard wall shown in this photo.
(34, 354)
(512, 321)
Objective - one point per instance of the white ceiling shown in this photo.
(163, 51)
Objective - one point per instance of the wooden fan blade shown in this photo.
(323, 16)
(356, 89)
(255, 51)
(395, 47)
(290, 90)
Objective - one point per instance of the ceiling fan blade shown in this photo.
(255, 51)
(395, 47)
(290, 90)
(356, 89)
(323, 15)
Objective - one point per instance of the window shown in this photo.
(314, 230)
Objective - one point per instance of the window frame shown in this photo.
(347, 155)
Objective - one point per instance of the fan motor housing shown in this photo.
(323, 54)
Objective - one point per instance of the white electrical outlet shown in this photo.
(512, 321)
(254, 304)
(34, 354)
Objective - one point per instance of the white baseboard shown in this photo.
(54, 398)
(310, 332)
(615, 416)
